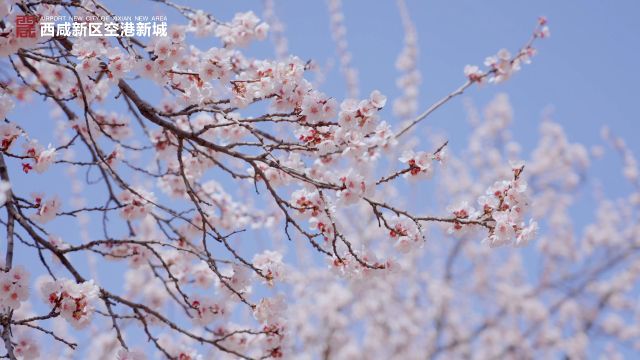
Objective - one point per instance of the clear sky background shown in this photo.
(585, 74)
(587, 71)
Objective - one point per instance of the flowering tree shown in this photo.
(170, 198)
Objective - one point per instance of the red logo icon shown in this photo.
(26, 26)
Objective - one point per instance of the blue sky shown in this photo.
(586, 71)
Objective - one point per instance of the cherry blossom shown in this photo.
(72, 300)
(406, 235)
(46, 210)
(131, 355)
(407, 62)
(420, 164)
(354, 188)
(44, 159)
(178, 349)
(242, 29)
(136, 204)
(206, 310)
(9, 132)
(505, 203)
(473, 73)
(503, 65)
(6, 105)
(361, 116)
(270, 263)
(26, 347)
(308, 203)
(339, 34)
(316, 108)
(461, 211)
(14, 287)
(58, 242)
(270, 311)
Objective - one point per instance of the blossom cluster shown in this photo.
(353, 188)
(135, 354)
(14, 287)
(42, 158)
(73, 300)
(406, 234)
(6, 105)
(205, 310)
(502, 65)
(502, 210)
(26, 348)
(271, 265)
(244, 28)
(136, 203)
(47, 210)
(420, 163)
(505, 202)
(9, 132)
